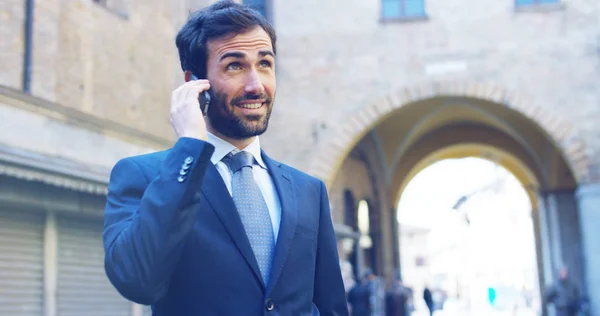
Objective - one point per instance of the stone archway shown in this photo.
(513, 164)
(333, 152)
(571, 206)
(539, 268)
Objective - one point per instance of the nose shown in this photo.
(253, 83)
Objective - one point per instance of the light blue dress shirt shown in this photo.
(261, 175)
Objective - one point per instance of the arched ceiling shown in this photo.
(411, 133)
(491, 153)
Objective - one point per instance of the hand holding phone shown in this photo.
(187, 116)
(203, 99)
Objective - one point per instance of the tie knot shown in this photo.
(239, 160)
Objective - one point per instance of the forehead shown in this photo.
(250, 41)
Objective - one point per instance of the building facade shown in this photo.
(369, 93)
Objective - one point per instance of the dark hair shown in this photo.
(218, 20)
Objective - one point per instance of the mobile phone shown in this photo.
(203, 99)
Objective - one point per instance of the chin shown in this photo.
(255, 131)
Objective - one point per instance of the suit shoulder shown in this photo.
(301, 176)
(145, 162)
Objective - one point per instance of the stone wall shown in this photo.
(335, 60)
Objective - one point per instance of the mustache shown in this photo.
(252, 97)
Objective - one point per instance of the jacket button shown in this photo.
(269, 305)
(189, 160)
(181, 179)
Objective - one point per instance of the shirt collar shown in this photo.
(222, 148)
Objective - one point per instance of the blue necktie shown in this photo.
(252, 209)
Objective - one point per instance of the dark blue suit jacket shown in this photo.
(173, 239)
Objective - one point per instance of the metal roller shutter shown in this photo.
(83, 288)
(21, 263)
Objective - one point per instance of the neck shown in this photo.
(238, 143)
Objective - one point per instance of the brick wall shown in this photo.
(12, 13)
(95, 59)
(334, 60)
(337, 59)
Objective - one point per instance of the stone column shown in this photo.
(570, 234)
(561, 237)
(559, 217)
(553, 222)
(386, 244)
(395, 240)
(539, 259)
(588, 198)
(544, 250)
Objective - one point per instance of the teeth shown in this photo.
(251, 106)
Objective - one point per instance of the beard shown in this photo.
(224, 120)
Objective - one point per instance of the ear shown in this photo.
(188, 76)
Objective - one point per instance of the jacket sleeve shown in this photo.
(146, 221)
(329, 294)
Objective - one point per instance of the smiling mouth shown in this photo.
(252, 106)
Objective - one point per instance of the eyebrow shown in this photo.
(233, 55)
(240, 55)
(264, 53)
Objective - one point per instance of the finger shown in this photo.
(188, 84)
(193, 92)
(196, 82)
(177, 91)
(186, 91)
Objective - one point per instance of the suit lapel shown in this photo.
(218, 196)
(289, 217)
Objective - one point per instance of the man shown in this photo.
(397, 297)
(564, 295)
(213, 226)
(428, 298)
(359, 297)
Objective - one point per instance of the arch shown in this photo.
(465, 139)
(334, 150)
(511, 164)
(507, 160)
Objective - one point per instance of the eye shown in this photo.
(265, 63)
(234, 66)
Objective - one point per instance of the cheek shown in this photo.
(269, 85)
(231, 89)
(221, 99)
(222, 89)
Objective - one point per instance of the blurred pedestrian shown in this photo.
(359, 297)
(428, 298)
(564, 295)
(397, 298)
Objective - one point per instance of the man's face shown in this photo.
(241, 71)
(563, 274)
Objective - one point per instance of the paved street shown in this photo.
(481, 312)
(455, 309)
